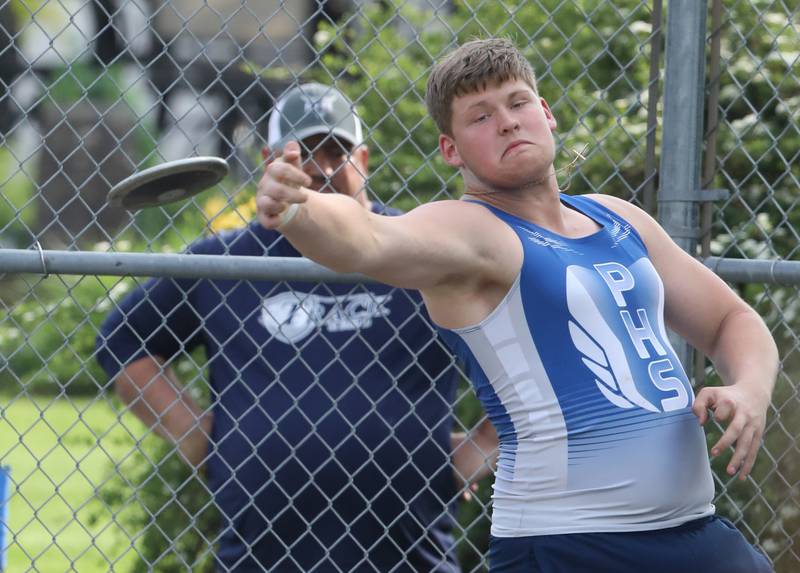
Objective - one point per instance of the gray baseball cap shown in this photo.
(312, 109)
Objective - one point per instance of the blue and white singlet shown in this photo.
(590, 402)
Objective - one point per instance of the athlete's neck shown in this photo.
(543, 209)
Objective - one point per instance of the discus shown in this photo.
(169, 182)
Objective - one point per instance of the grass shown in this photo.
(60, 452)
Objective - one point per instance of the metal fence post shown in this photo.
(679, 193)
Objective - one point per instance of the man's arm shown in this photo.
(700, 307)
(474, 452)
(153, 394)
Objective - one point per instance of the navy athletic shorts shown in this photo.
(708, 545)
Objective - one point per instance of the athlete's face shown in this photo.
(502, 136)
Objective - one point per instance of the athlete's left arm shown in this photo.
(711, 317)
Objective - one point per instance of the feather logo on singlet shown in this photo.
(543, 241)
(602, 351)
(619, 232)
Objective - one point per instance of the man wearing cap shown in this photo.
(328, 443)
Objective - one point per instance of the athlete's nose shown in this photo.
(507, 122)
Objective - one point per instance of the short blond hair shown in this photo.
(471, 67)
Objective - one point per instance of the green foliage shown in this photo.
(81, 81)
(757, 143)
(387, 83)
(172, 227)
(171, 512)
(58, 450)
(758, 138)
(17, 207)
(47, 338)
(756, 160)
(595, 76)
(156, 495)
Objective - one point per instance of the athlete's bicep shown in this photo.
(435, 245)
(696, 301)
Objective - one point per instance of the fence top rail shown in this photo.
(170, 265)
(235, 267)
(772, 271)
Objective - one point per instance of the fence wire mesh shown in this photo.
(331, 403)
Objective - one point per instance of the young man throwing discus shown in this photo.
(558, 306)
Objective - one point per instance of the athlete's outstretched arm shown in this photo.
(711, 317)
(433, 245)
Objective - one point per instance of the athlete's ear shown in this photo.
(449, 151)
(551, 119)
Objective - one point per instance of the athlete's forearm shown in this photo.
(334, 230)
(747, 360)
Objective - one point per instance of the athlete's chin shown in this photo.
(523, 172)
(518, 182)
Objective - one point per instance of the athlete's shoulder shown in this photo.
(451, 214)
(621, 207)
(474, 225)
(615, 204)
(456, 209)
(645, 225)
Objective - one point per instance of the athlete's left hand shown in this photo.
(746, 408)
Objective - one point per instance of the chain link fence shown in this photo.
(331, 401)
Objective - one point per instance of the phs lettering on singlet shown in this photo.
(291, 316)
(603, 346)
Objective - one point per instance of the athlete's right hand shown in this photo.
(282, 185)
